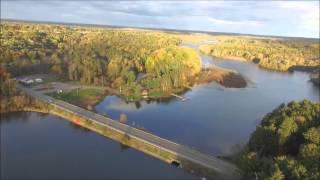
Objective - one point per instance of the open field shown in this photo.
(86, 98)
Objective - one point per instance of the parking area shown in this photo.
(46, 83)
(58, 87)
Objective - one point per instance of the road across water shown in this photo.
(221, 168)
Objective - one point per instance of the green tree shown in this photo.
(285, 145)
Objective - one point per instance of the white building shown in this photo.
(38, 80)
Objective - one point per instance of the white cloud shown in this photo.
(296, 5)
(282, 18)
(310, 21)
(67, 15)
(307, 14)
(235, 23)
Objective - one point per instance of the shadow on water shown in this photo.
(123, 147)
(78, 127)
(19, 116)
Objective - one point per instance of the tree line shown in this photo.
(99, 56)
(274, 54)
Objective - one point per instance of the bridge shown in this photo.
(220, 168)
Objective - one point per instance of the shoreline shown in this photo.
(232, 58)
(164, 155)
(225, 77)
(309, 69)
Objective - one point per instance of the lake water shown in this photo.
(40, 146)
(214, 120)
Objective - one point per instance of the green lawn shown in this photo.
(77, 94)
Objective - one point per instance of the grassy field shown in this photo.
(85, 98)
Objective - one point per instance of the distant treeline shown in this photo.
(274, 54)
(130, 60)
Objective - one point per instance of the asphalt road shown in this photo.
(223, 169)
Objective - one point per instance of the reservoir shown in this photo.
(41, 146)
(215, 120)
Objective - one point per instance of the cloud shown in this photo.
(235, 23)
(296, 5)
(310, 21)
(67, 15)
(264, 17)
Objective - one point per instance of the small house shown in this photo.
(144, 94)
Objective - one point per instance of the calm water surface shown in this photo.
(39, 146)
(216, 120)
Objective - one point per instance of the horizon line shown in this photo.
(153, 28)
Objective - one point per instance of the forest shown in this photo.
(14, 100)
(286, 145)
(124, 59)
(271, 53)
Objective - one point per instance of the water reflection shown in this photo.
(216, 119)
(119, 104)
(38, 146)
(21, 117)
(123, 147)
(138, 104)
(78, 127)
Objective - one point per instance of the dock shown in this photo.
(180, 97)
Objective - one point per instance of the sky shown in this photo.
(280, 18)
